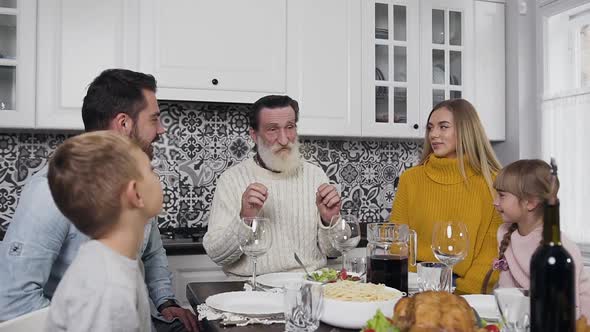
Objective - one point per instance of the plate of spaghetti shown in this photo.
(349, 304)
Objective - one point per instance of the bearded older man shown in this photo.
(295, 195)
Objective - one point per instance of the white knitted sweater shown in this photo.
(291, 208)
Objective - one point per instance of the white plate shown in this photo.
(354, 315)
(247, 303)
(279, 279)
(485, 305)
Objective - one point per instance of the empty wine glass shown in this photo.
(255, 241)
(450, 245)
(345, 233)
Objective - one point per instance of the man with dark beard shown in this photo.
(41, 243)
(277, 184)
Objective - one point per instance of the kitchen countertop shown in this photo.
(183, 240)
(189, 240)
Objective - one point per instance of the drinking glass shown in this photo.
(356, 265)
(345, 233)
(431, 276)
(303, 306)
(514, 305)
(450, 245)
(255, 241)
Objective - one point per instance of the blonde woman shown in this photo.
(453, 182)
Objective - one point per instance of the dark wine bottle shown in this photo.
(553, 288)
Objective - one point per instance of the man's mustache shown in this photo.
(287, 147)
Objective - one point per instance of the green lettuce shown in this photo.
(380, 323)
(325, 275)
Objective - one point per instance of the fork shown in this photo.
(303, 266)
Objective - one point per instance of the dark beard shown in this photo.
(144, 146)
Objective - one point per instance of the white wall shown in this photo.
(522, 105)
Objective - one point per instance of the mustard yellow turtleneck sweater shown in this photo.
(436, 191)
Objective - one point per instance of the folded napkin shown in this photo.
(228, 318)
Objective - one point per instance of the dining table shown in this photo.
(198, 292)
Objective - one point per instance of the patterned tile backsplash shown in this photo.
(202, 141)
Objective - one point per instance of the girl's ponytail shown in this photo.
(499, 263)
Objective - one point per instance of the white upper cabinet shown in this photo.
(391, 86)
(78, 39)
(418, 53)
(215, 50)
(370, 68)
(447, 52)
(490, 88)
(324, 68)
(17, 63)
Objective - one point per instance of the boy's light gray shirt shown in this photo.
(40, 245)
(101, 291)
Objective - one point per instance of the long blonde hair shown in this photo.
(472, 141)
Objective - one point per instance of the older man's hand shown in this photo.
(186, 317)
(253, 199)
(327, 200)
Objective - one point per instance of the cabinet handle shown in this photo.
(416, 126)
(214, 81)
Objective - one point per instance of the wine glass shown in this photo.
(345, 233)
(450, 245)
(255, 241)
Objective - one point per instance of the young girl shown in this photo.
(523, 187)
(454, 181)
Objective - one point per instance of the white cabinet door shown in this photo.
(17, 63)
(78, 39)
(215, 50)
(391, 69)
(490, 81)
(324, 70)
(194, 268)
(447, 52)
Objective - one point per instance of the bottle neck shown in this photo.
(551, 230)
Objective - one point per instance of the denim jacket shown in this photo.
(40, 245)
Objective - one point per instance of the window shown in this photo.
(565, 113)
(579, 28)
(584, 35)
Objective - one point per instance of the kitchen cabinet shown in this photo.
(490, 50)
(359, 68)
(418, 53)
(212, 50)
(324, 66)
(194, 268)
(77, 39)
(391, 84)
(17, 63)
(447, 52)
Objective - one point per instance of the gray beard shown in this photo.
(275, 162)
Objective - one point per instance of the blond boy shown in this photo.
(104, 184)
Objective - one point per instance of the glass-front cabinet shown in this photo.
(17, 63)
(390, 89)
(447, 47)
(414, 57)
